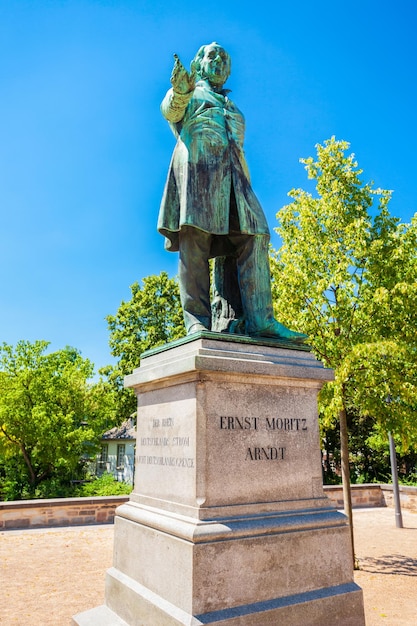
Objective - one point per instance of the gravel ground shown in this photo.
(49, 575)
(388, 566)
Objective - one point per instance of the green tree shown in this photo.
(329, 280)
(381, 372)
(152, 317)
(50, 415)
(385, 370)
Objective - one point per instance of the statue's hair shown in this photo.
(196, 62)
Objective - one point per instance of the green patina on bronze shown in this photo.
(222, 337)
(209, 209)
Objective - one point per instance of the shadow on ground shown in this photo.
(390, 564)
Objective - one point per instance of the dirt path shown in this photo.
(49, 575)
(388, 566)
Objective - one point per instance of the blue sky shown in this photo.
(84, 150)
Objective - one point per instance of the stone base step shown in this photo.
(99, 616)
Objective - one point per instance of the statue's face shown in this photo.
(215, 65)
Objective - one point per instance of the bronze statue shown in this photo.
(209, 209)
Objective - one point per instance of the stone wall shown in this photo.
(373, 495)
(362, 495)
(408, 497)
(100, 510)
(59, 512)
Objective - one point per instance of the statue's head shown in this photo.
(213, 63)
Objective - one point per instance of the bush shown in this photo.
(410, 480)
(106, 485)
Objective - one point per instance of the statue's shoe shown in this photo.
(275, 330)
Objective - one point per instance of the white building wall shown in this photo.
(123, 467)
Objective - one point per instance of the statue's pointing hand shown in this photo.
(182, 81)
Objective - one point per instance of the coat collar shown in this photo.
(203, 82)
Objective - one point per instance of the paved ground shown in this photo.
(388, 566)
(49, 575)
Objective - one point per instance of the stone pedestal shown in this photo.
(228, 523)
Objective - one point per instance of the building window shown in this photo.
(104, 454)
(121, 448)
(102, 459)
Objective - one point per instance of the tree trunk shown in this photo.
(347, 497)
(26, 458)
(32, 475)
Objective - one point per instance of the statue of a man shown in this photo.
(209, 209)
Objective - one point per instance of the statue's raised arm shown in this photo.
(176, 101)
(182, 81)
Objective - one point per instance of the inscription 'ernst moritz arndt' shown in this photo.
(228, 422)
(263, 453)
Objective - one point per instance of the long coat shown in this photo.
(208, 165)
